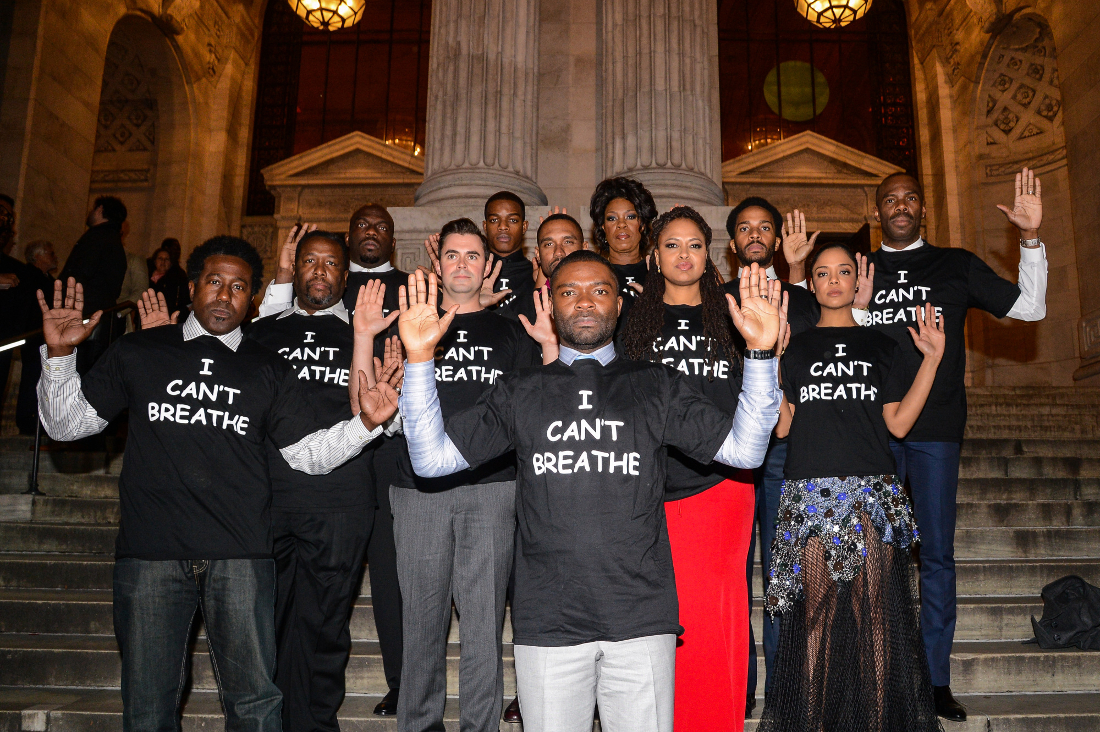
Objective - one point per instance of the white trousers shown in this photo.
(633, 681)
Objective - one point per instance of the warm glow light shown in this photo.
(329, 15)
(832, 13)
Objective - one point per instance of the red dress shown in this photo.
(709, 533)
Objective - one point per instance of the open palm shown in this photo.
(63, 326)
(757, 318)
(420, 326)
(1026, 213)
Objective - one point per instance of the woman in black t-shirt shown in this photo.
(682, 319)
(850, 653)
(622, 212)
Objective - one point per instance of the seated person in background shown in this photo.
(170, 280)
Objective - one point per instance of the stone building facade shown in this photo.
(154, 100)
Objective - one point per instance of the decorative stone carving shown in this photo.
(482, 102)
(660, 97)
(833, 183)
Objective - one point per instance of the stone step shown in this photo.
(57, 537)
(1030, 543)
(97, 710)
(1028, 513)
(977, 667)
(89, 612)
(1027, 466)
(1012, 430)
(1031, 447)
(53, 570)
(22, 507)
(71, 485)
(93, 661)
(1028, 489)
(57, 461)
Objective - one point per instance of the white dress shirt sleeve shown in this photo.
(66, 414)
(756, 416)
(323, 451)
(431, 450)
(277, 299)
(1032, 303)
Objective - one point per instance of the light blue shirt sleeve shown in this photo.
(756, 416)
(431, 450)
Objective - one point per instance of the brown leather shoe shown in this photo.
(946, 706)
(388, 706)
(511, 714)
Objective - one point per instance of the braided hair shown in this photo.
(642, 333)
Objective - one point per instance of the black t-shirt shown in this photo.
(478, 348)
(953, 280)
(194, 482)
(684, 348)
(393, 279)
(593, 561)
(838, 380)
(628, 273)
(515, 275)
(318, 349)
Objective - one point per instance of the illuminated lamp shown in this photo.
(330, 15)
(831, 13)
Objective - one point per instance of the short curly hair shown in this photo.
(627, 188)
(226, 246)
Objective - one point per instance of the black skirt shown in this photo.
(850, 656)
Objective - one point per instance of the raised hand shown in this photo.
(368, 320)
(63, 326)
(153, 310)
(553, 210)
(284, 273)
(796, 247)
(542, 331)
(378, 401)
(431, 246)
(757, 318)
(1027, 210)
(931, 338)
(487, 298)
(865, 282)
(420, 326)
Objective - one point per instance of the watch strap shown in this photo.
(757, 354)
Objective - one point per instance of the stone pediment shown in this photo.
(807, 158)
(354, 159)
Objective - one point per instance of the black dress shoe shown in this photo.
(946, 706)
(388, 706)
(750, 704)
(511, 714)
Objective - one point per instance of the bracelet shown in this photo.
(1031, 243)
(757, 354)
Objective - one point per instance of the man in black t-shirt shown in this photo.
(455, 534)
(371, 243)
(757, 234)
(595, 611)
(194, 490)
(505, 226)
(321, 523)
(906, 273)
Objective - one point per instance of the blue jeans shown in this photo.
(155, 605)
(933, 472)
(769, 481)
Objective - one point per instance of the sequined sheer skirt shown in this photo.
(850, 654)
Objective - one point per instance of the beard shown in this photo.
(764, 260)
(584, 338)
(320, 302)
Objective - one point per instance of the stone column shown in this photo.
(659, 97)
(482, 102)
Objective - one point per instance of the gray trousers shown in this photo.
(453, 544)
(634, 682)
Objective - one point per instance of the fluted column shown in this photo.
(482, 102)
(660, 115)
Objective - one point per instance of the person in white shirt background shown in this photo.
(895, 281)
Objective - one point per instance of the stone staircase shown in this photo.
(1029, 512)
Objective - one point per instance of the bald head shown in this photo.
(370, 236)
(899, 208)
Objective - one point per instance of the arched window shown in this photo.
(780, 75)
(315, 86)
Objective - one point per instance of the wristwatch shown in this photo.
(1031, 243)
(757, 354)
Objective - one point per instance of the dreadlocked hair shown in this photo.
(641, 337)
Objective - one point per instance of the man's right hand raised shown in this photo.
(420, 326)
(63, 326)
